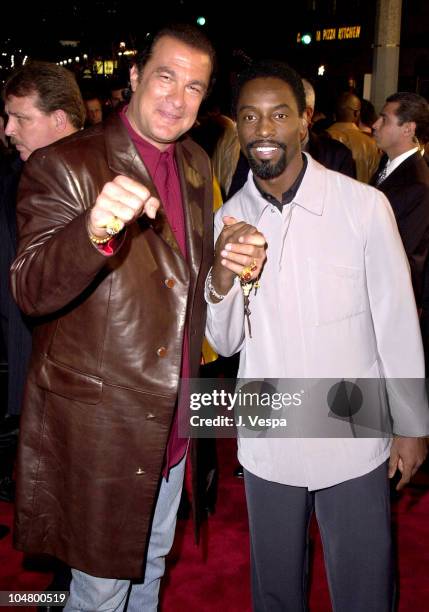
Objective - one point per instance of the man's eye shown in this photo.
(281, 116)
(165, 77)
(248, 117)
(196, 89)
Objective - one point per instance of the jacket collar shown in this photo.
(310, 194)
(400, 174)
(123, 158)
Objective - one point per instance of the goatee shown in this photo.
(266, 169)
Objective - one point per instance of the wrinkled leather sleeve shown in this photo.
(56, 261)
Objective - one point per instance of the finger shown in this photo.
(118, 194)
(227, 220)
(113, 208)
(407, 471)
(238, 258)
(245, 249)
(151, 207)
(133, 187)
(401, 484)
(405, 479)
(393, 463)
(255, 238)
(234, 267)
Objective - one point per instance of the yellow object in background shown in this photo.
(207, 353)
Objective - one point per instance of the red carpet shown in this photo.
(215, 576)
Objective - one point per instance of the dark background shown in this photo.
(263, 29)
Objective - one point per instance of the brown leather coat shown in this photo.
(106, 359)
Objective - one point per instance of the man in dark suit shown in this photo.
(403, 176)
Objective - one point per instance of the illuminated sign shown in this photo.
(105, 67)
(343, 33)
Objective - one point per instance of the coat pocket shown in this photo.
(69, 383)
(338, 292)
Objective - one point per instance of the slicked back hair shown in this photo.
(412, 107)
(189, 35)
(55, 86)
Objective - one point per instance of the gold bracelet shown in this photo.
(96, 240)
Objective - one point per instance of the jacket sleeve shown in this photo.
(395, 320)
(413, 224)
(56, 261)
(225, 319)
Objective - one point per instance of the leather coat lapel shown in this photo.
(123, 158)
(192, 185)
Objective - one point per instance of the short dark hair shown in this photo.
(55, 86)
(186, 33)
(412, 107)
(264, 69)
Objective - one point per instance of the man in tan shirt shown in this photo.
(363, 147)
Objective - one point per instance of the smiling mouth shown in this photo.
(170, 117)
(266, 149)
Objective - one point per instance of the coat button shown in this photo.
(140, 472)
(161, 352)
(169, 282)
(150, 415)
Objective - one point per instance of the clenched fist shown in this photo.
(124, 199)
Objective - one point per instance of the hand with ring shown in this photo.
(120, 203)
(240, 251)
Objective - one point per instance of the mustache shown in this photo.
(265, 143)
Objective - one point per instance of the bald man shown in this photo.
(363, 147)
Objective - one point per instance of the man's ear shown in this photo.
(134, 77)
(409, 128)
(61, 119)
(304, 125)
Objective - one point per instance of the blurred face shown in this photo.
(168, 93)
(389, 135)
(116, 97)
(94, 111)
(270, 127)
(28, 127)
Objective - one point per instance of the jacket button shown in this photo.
(161, 352)
(169, 282)
(140, 472)
(150, 415)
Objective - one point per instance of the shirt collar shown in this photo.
(288, 195)
(310, 194)
(149, 153)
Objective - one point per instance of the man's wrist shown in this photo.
(216, 293)
(98, 235)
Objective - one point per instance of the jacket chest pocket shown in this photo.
(337, 292)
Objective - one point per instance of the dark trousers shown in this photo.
(354, 523)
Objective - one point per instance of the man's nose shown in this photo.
(265, 127)
(177, 97)
(9, 129)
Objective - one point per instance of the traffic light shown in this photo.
(305, 38)
(201, 20)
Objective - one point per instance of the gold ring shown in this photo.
(114, 226)
(246, 273)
